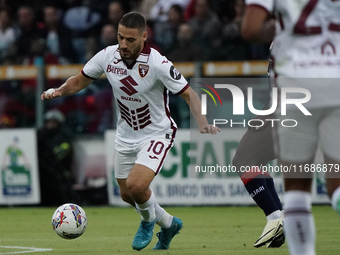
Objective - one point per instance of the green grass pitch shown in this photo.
(207, 230)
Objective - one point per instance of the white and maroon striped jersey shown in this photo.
(307, 43)
(141, 92)
(307, 40)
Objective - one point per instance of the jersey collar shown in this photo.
(143, 57)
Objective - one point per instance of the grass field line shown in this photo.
(26, 249)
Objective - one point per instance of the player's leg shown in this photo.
(163, 218)
(151, 156)
(296, 147)
(333, 182)
(256, 149)
(151, 211)
(145, 208)
(137, 184)
(135, 191)
(124, 193)
(125, 158)
(330, 145)
(299, 223)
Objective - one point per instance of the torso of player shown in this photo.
(307, 45)
(141, 92)
(307, 41)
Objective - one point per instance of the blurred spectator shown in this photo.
(7, 33)
(143, 7)
(221, 8)
(151, 39)
(102, 6)
(83, 22)
(89, 111)
(68, 4)
(55, 154)
(108, 36)
(186, 49)
(234, 47)
(18, 106)
(206, 27)
(7, 121)
(189, 11)
(37, 53)
(38, 56)
(165, 32)
(58, 37)
(115, 13)
(29, 30)
(15, 5)
(92, 47)
(160, 10)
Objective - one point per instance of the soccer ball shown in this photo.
(69, 221)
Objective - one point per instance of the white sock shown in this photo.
(163, 218)
(335, 198)
(298, 225)
(147, 210)
(158, 209)
(274, 215)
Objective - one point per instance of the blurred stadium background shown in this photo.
(42, 43)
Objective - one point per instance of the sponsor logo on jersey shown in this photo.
(129, 84)
(116, 70)
(143, 70)
(174, 73)
(131, 99)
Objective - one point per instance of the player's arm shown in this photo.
(255, 26)
(194, 102)
(72, 85)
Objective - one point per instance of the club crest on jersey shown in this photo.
(174, 73)
(143, 70)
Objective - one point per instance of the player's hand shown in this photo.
(50, 94)
(208, 128)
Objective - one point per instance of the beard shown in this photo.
(132, 56)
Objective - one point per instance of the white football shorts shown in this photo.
(151, 153)
(299, 144)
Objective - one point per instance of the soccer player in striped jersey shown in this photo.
(141, 79)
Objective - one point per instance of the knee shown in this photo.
(238, 161)
(135, 188)
(125, 196)
(243, 159)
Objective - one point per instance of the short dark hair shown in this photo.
(133, 20)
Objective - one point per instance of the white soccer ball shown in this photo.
(50, 92)
(69, 221)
